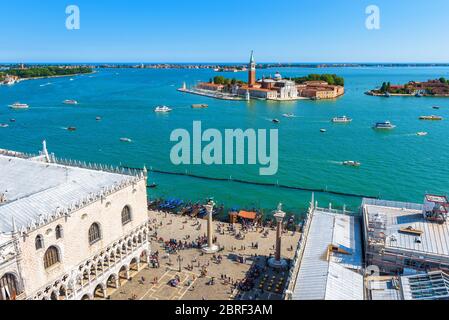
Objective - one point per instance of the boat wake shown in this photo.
(46, 84)
(340, 163)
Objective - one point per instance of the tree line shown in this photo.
(226, 81)
(48, 71)
(331, 79)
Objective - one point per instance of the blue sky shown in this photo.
(224, 31)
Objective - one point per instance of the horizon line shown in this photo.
(219, 62)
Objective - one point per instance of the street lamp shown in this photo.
(180, 261)
(277, 262)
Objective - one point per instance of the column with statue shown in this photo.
(210, 248)
(277, 262)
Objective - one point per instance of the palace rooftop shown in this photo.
(332, 259)
(34, 191)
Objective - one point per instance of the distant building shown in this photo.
(68, 231)
(275, 88)
(320, 90)
(252, 71)
(210, 86)
(399, 236)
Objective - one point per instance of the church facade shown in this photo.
(69, 230)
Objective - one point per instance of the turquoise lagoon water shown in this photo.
(396, 165)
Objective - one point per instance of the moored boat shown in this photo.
(288, 115)
(125, 140)
(4, 125)
(276, 121)
(323, 130)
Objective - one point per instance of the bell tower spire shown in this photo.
(252, 71)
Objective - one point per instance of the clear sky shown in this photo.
(224, 31)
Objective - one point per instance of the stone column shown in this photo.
(277, 262)
(210, 247)
(278, 240)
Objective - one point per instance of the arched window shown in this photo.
(94, 233)
(39, 242)
(126, 215)
(59, 232)
(9, 289)
(51, 257)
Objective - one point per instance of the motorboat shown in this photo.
(436, 107)
(162, 109)
(70, 102)
(323, 130)
(432, 118)
(125, 140)
(288, 115)
(152, 186)
(343, 119)
(98, 118)
(352, 163)
(71, 129)
(4, 125)
(200, 106)
(19, 105)
(387, 125)
(12, 120)
(276, 121)
(421, 134)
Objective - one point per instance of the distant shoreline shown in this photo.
(57, 76)
(221, 65)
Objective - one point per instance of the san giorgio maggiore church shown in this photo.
(68, 230)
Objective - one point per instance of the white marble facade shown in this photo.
(73, 231)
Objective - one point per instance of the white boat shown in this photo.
(343, 119)
(125, 140)
(70, 102)
(387, 125)
(163, 109)
(4, 125)
(323, 130)
(18, 105)
(10, 82)
(288, 115)
(352, 163)
(421, 134)
(276, 121)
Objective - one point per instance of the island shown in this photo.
(431, 88)
(13, 75)
(313, 86)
